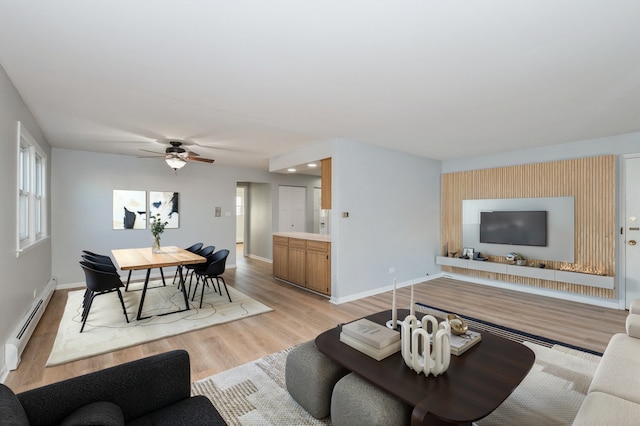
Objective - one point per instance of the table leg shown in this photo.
(184, 289)
(144, 291)
(128, 279)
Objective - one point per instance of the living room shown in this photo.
(393, 199)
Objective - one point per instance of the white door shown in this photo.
(292, 208)
(299, 201)
(631, 231)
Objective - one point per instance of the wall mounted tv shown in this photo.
(522, 228)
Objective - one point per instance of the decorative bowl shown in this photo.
(458, 325)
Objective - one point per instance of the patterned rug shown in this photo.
(255, 393)
(107, 330)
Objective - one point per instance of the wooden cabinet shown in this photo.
(297, 263)
(325, 178)
(306, 263)
(318, 264)
(281, 257)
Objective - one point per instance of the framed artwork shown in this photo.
(467, 252)
(129, 209)
(167, 206)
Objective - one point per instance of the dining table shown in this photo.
(133, 259)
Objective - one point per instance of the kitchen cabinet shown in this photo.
(303, 259)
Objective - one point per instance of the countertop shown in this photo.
(305, 236)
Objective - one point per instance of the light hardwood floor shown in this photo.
(299, 316)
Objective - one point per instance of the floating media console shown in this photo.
(590, 280)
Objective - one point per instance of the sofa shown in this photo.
(150, 391)
(614, 396)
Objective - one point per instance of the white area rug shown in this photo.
(255, 393)
(107, 329)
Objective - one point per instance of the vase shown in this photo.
(155, 248)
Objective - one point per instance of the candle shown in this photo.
(394, 314)
(411, 309)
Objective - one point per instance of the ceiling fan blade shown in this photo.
(191, 157)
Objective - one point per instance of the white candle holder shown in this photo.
(423, 351)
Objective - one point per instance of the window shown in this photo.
(32, 206)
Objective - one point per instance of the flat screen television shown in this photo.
(522, 228)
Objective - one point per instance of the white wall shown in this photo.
(614, 145)
(393, 201)
(32, 270)
(82, 189)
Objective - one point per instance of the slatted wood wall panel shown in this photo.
(591, 181)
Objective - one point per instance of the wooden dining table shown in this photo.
(143, 258)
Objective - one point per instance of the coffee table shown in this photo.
(475, 384)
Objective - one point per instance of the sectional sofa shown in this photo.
(614, 393)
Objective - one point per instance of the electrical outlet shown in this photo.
(392, 270)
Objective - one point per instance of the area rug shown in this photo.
(255, 393)
(107, 330)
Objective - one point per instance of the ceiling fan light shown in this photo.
(175, 162)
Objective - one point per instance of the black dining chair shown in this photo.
(106, 259)
(215, 269)
(99, 260)
(99, 282)
(193, 249)
(204, 252)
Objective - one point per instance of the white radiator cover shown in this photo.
(20, 336)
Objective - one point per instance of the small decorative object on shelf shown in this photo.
(517, 258)
(417, 353)
(157, 228)
(467, 253)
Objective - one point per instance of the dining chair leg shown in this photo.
(87, 308)
(225, 287)
(202, 293)
(176, 276)
(124, 309)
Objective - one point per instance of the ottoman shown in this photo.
(355, 401)
(310, 377)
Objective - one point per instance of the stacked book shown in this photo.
(459, 344)
(371, 338)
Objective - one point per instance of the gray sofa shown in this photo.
(614, 396)
(149, 391)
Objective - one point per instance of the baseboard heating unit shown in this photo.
(20, 336)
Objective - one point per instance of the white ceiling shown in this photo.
(247, 79)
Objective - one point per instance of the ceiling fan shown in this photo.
(176, 156)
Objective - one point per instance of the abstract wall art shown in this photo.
(166, 205)
(129, 209)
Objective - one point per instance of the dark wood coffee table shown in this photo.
(475, 384)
